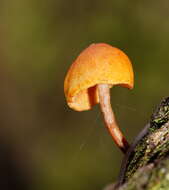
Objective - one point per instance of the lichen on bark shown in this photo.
(155, 144)
(150, 177)
(147, 165)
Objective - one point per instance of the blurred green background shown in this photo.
(55, 146)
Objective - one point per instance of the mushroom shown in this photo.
(89, 79)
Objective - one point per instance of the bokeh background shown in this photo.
(44, 144)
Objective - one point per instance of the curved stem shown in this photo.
(109, 118)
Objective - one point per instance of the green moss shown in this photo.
(134, 163)
(148, 151)
(159, 179)
(160, 116)
(151, 177)
(155, 145)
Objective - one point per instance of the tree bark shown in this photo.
(146, 164)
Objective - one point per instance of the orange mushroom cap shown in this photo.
(98, 64)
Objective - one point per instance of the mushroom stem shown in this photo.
(109, 118)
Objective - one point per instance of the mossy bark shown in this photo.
(149, 177)
(146, 166)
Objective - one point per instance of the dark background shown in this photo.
(44, 143)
